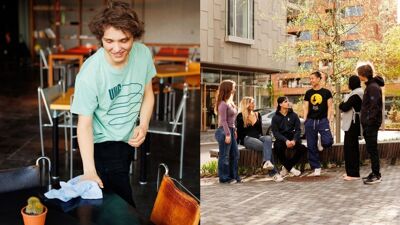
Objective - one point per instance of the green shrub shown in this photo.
(209, 169)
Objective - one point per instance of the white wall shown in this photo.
(170, 21)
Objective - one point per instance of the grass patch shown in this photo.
(209, 169)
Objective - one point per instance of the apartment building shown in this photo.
(360, 22)
(238, 40)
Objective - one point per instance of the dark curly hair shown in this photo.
(118, 15)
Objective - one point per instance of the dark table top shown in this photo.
(111, 210)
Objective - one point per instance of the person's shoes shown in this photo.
(284, 171)
(277, 177)
(349, 178)
(373, 180)
(316, 173)
(368, 177)
(295, 172)
(268, 165)
(233, 181)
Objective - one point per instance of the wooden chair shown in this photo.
(173, 206)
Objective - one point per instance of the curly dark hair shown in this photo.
(118, 15)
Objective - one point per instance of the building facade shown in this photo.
(238, 40)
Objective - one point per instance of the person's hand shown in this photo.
(235, 135)
(93, 177)
(293, 143)
(228, 139)
(139, 134)
(289, 144)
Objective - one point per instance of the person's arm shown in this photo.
(259, 126)
(305, 109)
(297, 129)
(139, 133)
(86, 146)
(350, 103)
(240, 128)
(275, 129)
(374, 99)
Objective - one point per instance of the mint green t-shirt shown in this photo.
(113, 97)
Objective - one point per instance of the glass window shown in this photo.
(351, 29)
(210, 76)
(230, 75)
(246, 78)
(305, 65)
(353, 11)
(241, 18)
(305, 35)
(351, 45)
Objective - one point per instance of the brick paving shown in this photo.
(329, 200)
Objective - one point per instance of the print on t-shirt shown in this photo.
(318, 103)
(126, 103)
(316, 99)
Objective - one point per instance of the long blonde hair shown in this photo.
(244, 105)
(224, 92)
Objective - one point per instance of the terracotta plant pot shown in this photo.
(34, 219)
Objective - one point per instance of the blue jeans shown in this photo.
(263, 143)
(313, 127)
(112, 160)
(228, 156)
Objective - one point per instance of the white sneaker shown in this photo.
(284, 171)
(277, 178)
(268, 165)
(316, 173)
(295, 172)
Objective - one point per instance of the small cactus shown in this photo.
(34, 207)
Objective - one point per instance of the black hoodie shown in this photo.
(371, 108)
(286, 127)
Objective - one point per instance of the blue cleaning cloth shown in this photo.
(75, 188)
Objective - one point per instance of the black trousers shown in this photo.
(112, 160)
(371, 141)
(280, 147)
(351, 149)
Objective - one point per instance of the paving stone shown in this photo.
(324, 201)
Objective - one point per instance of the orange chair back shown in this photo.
(173, 206)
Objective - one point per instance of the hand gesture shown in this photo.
(228, 139)
(93, 177)
(139, 134)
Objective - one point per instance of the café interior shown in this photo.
(43, 45)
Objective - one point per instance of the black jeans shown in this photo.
(351, 149)
(112, 160)
(280, 147)
(371, 142)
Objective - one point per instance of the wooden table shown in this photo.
(62, 103)
(77, 53)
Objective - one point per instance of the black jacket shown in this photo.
(286, 127)
(254, 131)
(371, 108)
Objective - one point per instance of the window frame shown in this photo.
(250, 40)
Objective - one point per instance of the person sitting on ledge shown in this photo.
(249, 130)
(286, 130)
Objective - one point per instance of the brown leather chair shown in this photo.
(173, 206)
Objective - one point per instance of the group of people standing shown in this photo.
(244, 126)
